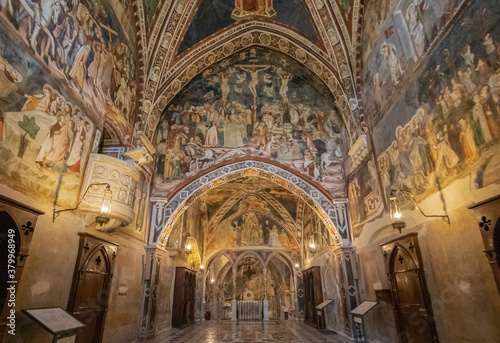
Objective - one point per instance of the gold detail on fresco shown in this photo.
(84, 47)
(251, 105)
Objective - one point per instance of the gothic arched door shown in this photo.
(88, 301)
(411, 301)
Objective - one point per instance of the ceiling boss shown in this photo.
(244, 9)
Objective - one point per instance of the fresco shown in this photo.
(314, 229)
(397, 36)
(213, 16)
(85, 48)
(256, 103)
(151, 7)
(124, 13)
(250, 229)
(45, 139)
(346, 7)
(250, 283)
(447, 126)
(366, 200)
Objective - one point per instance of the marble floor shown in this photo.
(248, 332)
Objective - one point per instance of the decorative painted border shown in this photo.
(219, 48)
(175, 16)
(333, 214)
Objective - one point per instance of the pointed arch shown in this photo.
(243, 36)
(249, 253)
(333, 213)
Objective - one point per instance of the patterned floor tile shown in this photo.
(249, 332)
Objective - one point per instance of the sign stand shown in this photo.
(321, 316)
(56, 321)
(359, 322)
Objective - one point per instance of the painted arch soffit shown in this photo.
(244, 192)
(333, 214)
(279, 34)
(175, 16)
(214, 52)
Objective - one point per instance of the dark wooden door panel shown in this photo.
(411, 300)
(90, 290)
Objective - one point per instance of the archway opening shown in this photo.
(253, 237)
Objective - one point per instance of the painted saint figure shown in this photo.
(388, 50)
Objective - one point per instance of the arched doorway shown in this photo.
(410, 296)
(250, 159)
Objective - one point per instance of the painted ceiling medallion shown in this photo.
(244, 9)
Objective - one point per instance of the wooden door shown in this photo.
(184, 297)
(313, 293)
(411, 301)
(91, 286)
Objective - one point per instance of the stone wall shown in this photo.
(429, 110)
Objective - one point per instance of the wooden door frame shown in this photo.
(89, 246)
(407, 244)
(25, 217)
(488, 218)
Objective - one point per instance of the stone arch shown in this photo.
(253, 34)
(333, 213)
(249, 253)
(215, 255)
(282, 255)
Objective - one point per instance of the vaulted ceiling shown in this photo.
(242, 214)
(179, 39)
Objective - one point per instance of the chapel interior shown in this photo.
(249, 171)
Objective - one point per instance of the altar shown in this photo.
(250, 310)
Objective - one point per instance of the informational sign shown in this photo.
(365, 306)
(324, 304)
(55, 320)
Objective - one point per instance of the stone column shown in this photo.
(351, 281)
(151, 277)
(266, 303)
(234, 314)
(203, 294)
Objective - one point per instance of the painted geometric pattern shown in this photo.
(333, 214)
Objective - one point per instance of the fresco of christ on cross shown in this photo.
(253, 70)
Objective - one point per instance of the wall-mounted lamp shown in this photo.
(397, 220)
(312, 244)
(297, 265)
(102, 218)
(202, 267)
(190, 242)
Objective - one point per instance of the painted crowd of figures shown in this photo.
(451, 116)
(241, 108)
(398, 35)
(191, 139)
(79, 42)
(249, 231)
(461, 121)
(68, 130)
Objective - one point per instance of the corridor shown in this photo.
(272, 332)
